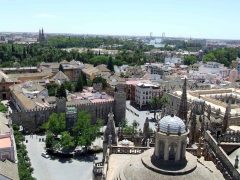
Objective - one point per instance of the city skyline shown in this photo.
(213, 20)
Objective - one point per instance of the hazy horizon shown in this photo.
(202, 19)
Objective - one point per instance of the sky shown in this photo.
(176, 18)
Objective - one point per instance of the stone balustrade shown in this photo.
(231, 136)
(221, 159)
(128, 150)
(98, 168)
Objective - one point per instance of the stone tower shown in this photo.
(41, 36)
(119, 104)
(60, 105)
(183, 109)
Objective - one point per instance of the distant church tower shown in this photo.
(41, 36)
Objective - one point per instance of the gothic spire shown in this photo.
(193, 126)
(110, 129)
(39, 35)
(183, 110)
(146, 129)
(226, 117)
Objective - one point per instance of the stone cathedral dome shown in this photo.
(172, 124)
(167, 160)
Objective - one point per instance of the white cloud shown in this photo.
(45, 15)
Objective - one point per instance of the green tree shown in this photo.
(100, 80)
(3, 108)
(24, 166)
(49, 140)
(96, 60)
(157, 102)
(56, 123)
(24, 53)
(135, 124)
(68, 85)
(61, 68)
(86, 132)
(52, 89)
(189, 60)
(128, 129)
(209, 57)
(13, 48)
(66, 141)
(164, 100)
(84, 79)
(110, 64)
(62, 122)
(79, 84)
(61, 91)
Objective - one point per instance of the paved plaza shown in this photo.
(140, 116)
(57, 169)
(62, 169)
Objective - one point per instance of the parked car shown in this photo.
(45, 155)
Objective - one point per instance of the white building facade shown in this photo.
(145, 92)
(214, 68)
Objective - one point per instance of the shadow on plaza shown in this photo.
(82, 158)
(86, 158)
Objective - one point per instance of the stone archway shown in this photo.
(172, 149)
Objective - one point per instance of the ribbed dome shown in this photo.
(172, 125)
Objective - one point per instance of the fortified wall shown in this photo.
(31, 120)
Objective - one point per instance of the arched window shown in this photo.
(172, 148)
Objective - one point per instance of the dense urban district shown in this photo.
(113, 107)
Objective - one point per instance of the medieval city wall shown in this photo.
(31, 120)
(97, 110)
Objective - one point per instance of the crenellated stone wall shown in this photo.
(31, 120)
(97, 110)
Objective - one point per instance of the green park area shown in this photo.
(82, 134)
